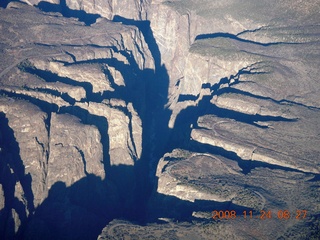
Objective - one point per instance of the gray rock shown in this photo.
(69, 121)
(159, 112)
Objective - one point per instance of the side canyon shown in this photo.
(138, 119)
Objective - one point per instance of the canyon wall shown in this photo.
(158, 112)
(70, 119)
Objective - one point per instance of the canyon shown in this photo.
(139, 119)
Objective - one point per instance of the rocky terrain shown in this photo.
(139, 119)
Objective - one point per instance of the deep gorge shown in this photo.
(142, 119)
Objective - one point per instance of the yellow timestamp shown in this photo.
(263, 215)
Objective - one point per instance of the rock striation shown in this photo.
(158, 113)
(240, 68)
(68, 105)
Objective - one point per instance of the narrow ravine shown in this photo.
(157, 116)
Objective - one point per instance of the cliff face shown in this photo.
(204, 43)
(158, 110)
(245, 87)
(70, 116)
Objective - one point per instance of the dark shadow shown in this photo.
(315, 178)
(165, 206)
(235, 37)
(43, 105)
(241, 92)
(4, 3)
(124, 178)
(76, 212)
(187, 97)
(81, 210)
(190, 115)
(12, 171)
(246, 165)
(56, 93)
(62, 8)
(187, 120)
(154, 117)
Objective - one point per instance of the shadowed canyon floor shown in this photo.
(137, 120)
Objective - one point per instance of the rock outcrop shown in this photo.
(245, 89)
(69, 119)
(158, 112)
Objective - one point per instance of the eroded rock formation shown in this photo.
(70, 108)
(157, 112)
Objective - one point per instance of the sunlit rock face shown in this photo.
(158, 113)
(131, 9)
(70, 119)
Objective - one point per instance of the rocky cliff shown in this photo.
(157, 112)
(70, 114)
